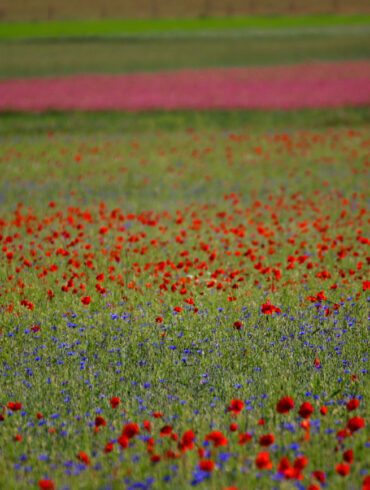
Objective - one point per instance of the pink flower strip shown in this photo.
(273, 87)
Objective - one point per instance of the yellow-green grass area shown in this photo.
(166, 26)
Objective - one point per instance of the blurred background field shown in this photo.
(119, 46)
(42, 57)
(93, 9)
(45, 37)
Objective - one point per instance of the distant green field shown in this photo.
(128, 27)
(119, 46)
(65, 57)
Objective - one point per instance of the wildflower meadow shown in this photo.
(184, 294)
(184, 308)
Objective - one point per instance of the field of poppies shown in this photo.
(184, 307)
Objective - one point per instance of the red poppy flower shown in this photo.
(236, 406)
(306, 424)
(320, 296)
(300, 462)
(207, 465)
(268, 309)
(130, 430)
(27, 304)
(157, 415)
(233, 427)
(159, 319)
(155, 458)
(123, 442)
(39, 415)
(342, 469)
(171, 454)
(83, 457)
(86, 300)
(352, 404)
(99, 421)
(109, 447)
(305, 410)
(243, 438)
(366, 483)
(237, 325)
(149, 445)
(283, 465)
(355, 423)
(319, 476)
(147, 425)
(187, 440)
(266, 440)
(263, 461)
(323, 410)
(14, 406)
(165, 431)
(348, 456)
(285, 405)
(115, 401)
(217, 438)
(342, 434)
(293, 473)
(17, 438)
(261, 422)
(46, 484)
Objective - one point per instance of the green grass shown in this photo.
(295, 186)
(110, 46)
(40, 58)
(22, 124)
(138, 27)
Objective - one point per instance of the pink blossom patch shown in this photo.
(274, 87)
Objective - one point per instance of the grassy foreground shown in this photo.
(165, 280)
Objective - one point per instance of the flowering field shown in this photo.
(184, 308)
(277, 87)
